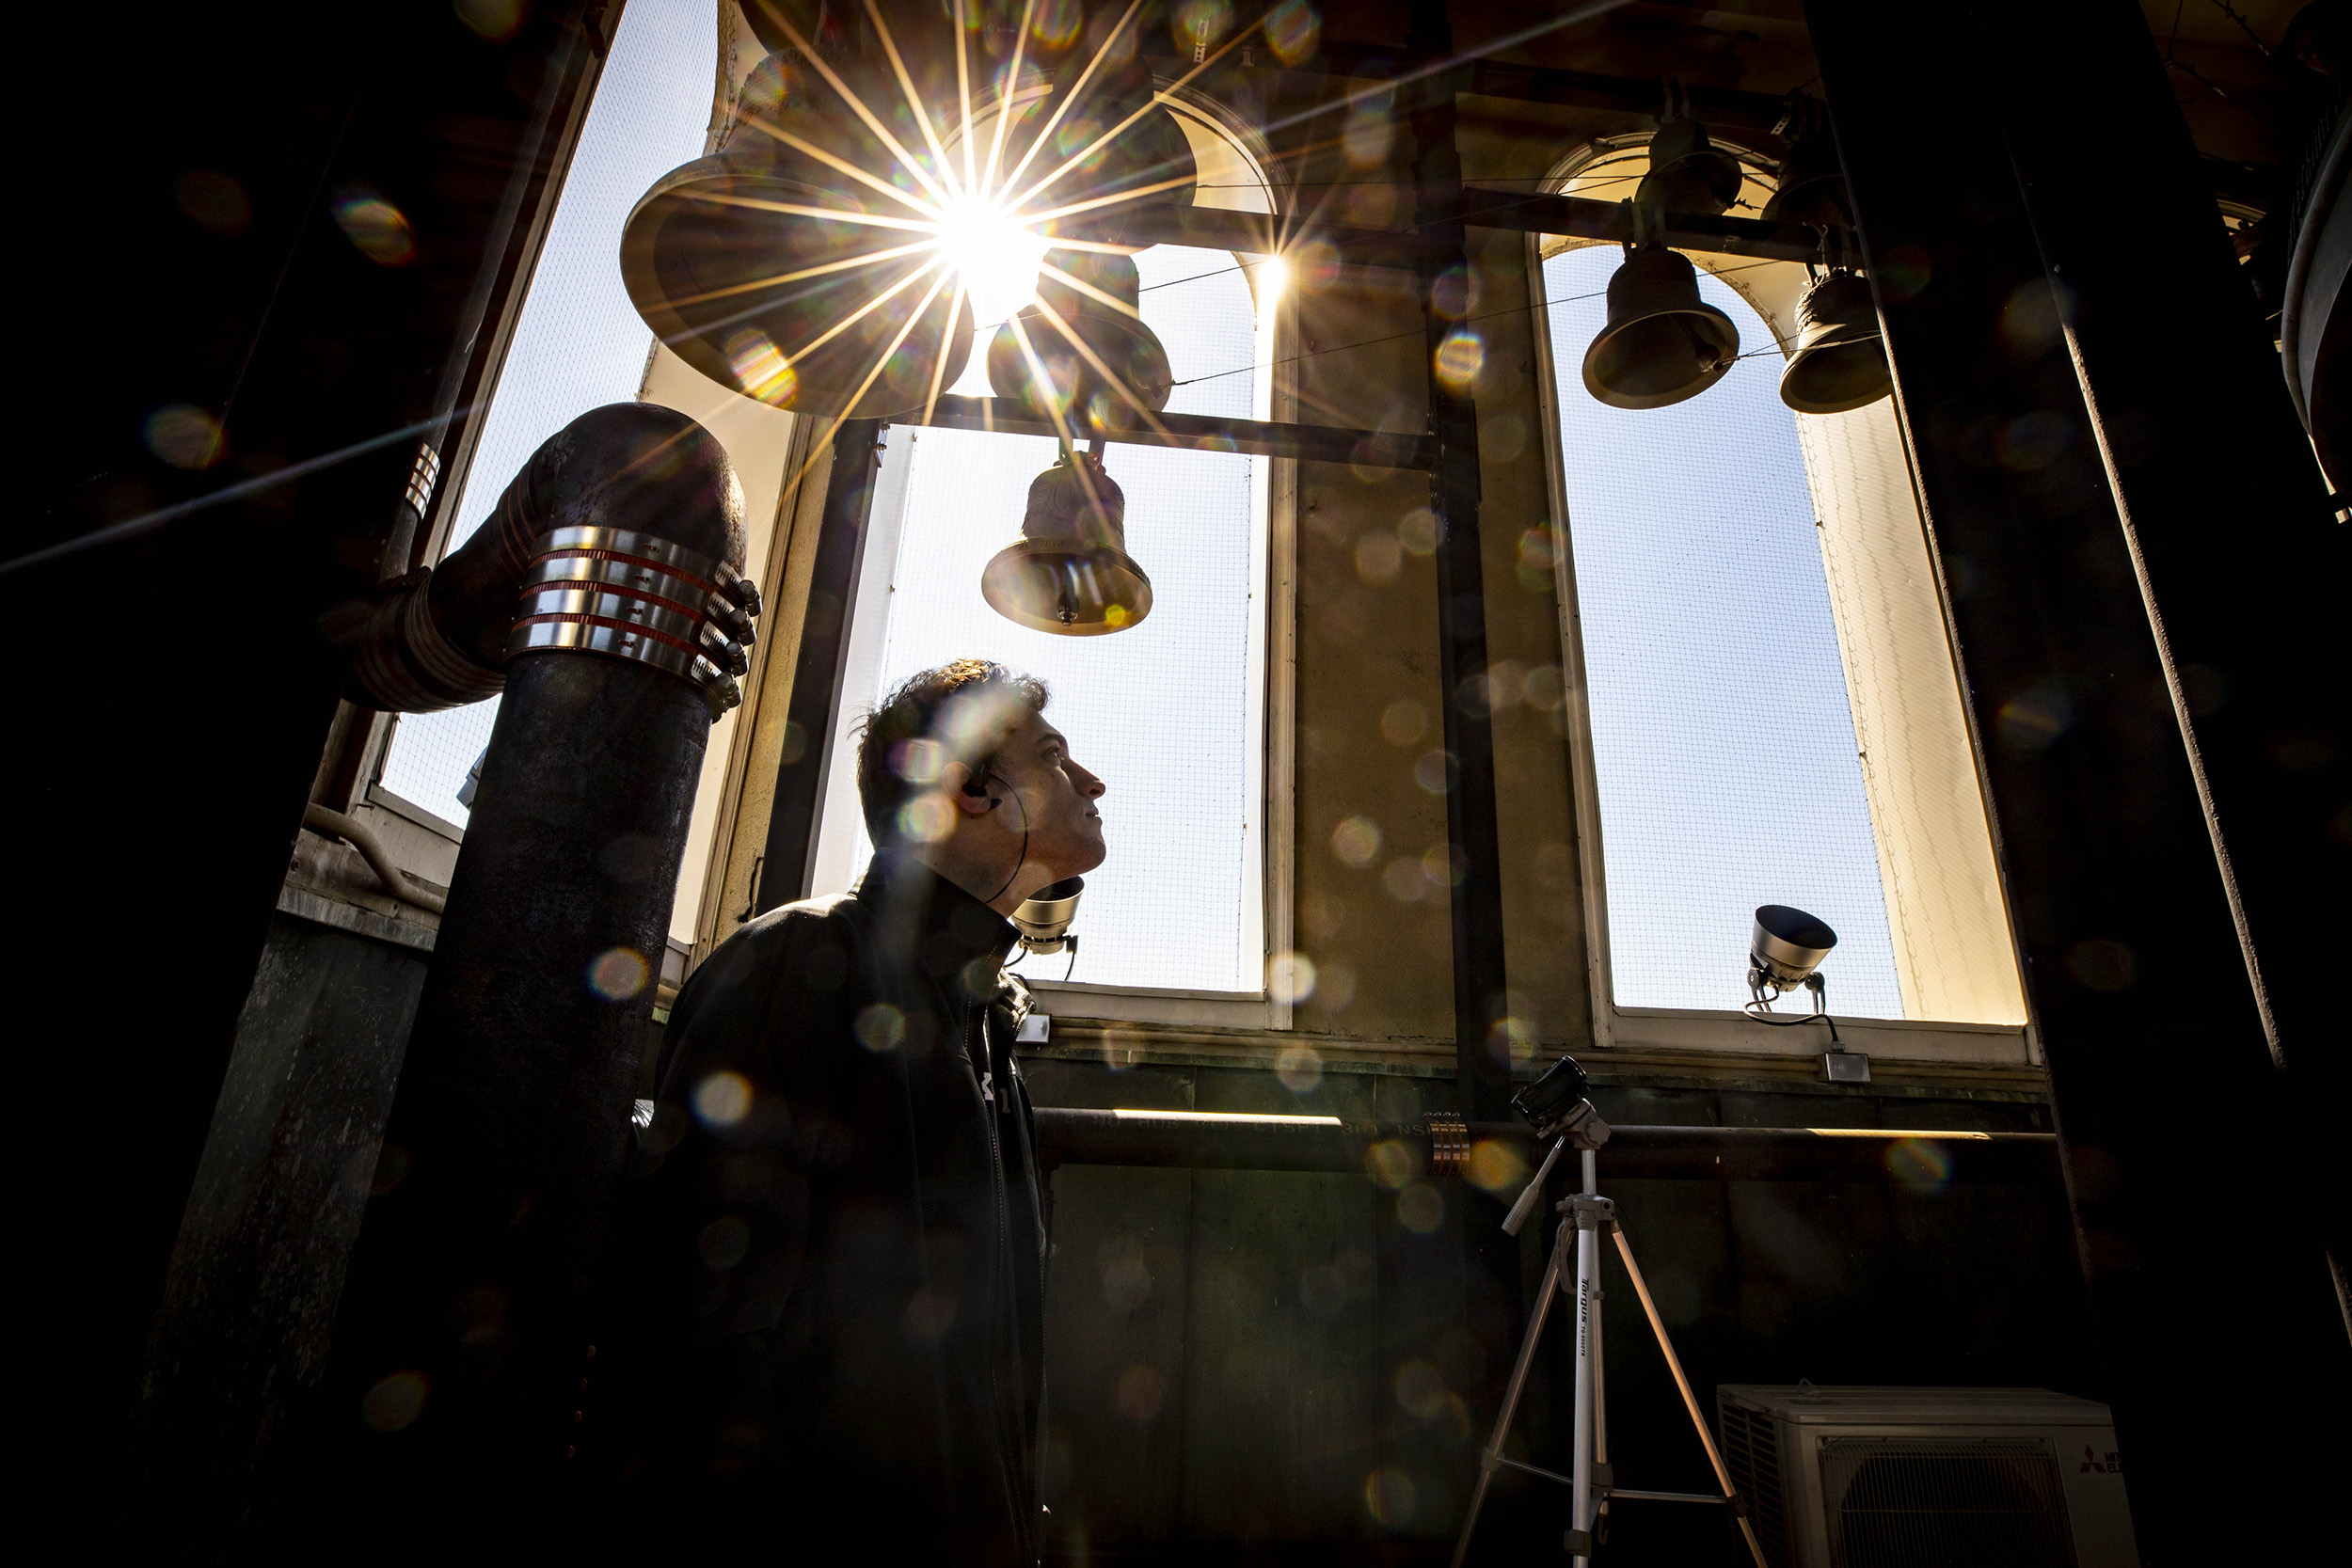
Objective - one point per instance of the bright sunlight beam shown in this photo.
(997, 258)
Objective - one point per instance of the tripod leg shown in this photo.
(1674, 1365)
(1588, 1516)
(1487, 1460)
(1587, 1267)
(1601, 1411)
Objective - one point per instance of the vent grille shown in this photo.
(1752, 1454)
(1922, 1502)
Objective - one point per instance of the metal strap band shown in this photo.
(1449, 1143)
(579, 540)
(630, 596)
(618, 572)
(631, 575)
(658, 615)
(581, 634)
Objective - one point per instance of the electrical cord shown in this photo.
(978, 786)
(1759, 1009)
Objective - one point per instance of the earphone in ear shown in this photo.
(980, 786)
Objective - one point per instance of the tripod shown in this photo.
(1588, 1214)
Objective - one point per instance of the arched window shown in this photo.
(1172, 713)
(1772, 712)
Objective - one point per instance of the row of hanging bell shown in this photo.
(1663, 343)
(1083, 360)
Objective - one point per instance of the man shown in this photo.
(843, 1253)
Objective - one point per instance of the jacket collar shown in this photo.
(947, 934)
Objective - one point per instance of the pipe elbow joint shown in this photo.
(438, 637)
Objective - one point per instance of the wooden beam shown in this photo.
(1479, 206)
(1372, 448)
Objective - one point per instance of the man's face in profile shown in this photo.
(1064, 825)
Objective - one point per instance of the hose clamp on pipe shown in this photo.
(1449, 1143)
(642, 597)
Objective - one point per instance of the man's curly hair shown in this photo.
(958, 712)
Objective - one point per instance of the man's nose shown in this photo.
(1089, 785)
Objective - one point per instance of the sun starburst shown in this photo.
(967, 192)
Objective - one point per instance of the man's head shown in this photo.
(958, 765)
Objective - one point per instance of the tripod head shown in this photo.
(1555, 1105)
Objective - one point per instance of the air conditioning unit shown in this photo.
(1926, 1478)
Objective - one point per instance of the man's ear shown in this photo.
(955, 782)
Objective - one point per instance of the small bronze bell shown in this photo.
(1070, 573)
(1688, 172)
(1664, 343)
(1840, 361)
(1811, 187)
(1064, 381)
(706, 251)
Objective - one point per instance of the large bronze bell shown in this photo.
(754, 265)
(726, 264)
(1664, 343)
(1070, 573)
(1122, 363)
(1840, 361)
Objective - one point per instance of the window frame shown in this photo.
(1616, 1025)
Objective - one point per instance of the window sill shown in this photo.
(1124, 1045)
(324, 907)
(1150, 1005)
(1890, 1039)
(403, 807)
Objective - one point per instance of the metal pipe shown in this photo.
(464, 1320)
(362, 838)
(1197, 1141)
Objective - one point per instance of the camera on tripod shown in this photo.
(1555, 1106)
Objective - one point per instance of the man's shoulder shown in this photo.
(813, 940)
(809, 917)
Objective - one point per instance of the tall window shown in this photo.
(579, 343)
(1772, 712)
(1171, 712)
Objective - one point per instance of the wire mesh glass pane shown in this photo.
(579, 343)
(1161, 710)
(1722, 736)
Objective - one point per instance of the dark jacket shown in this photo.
(838, 1316)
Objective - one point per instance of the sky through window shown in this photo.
(1722, 736)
